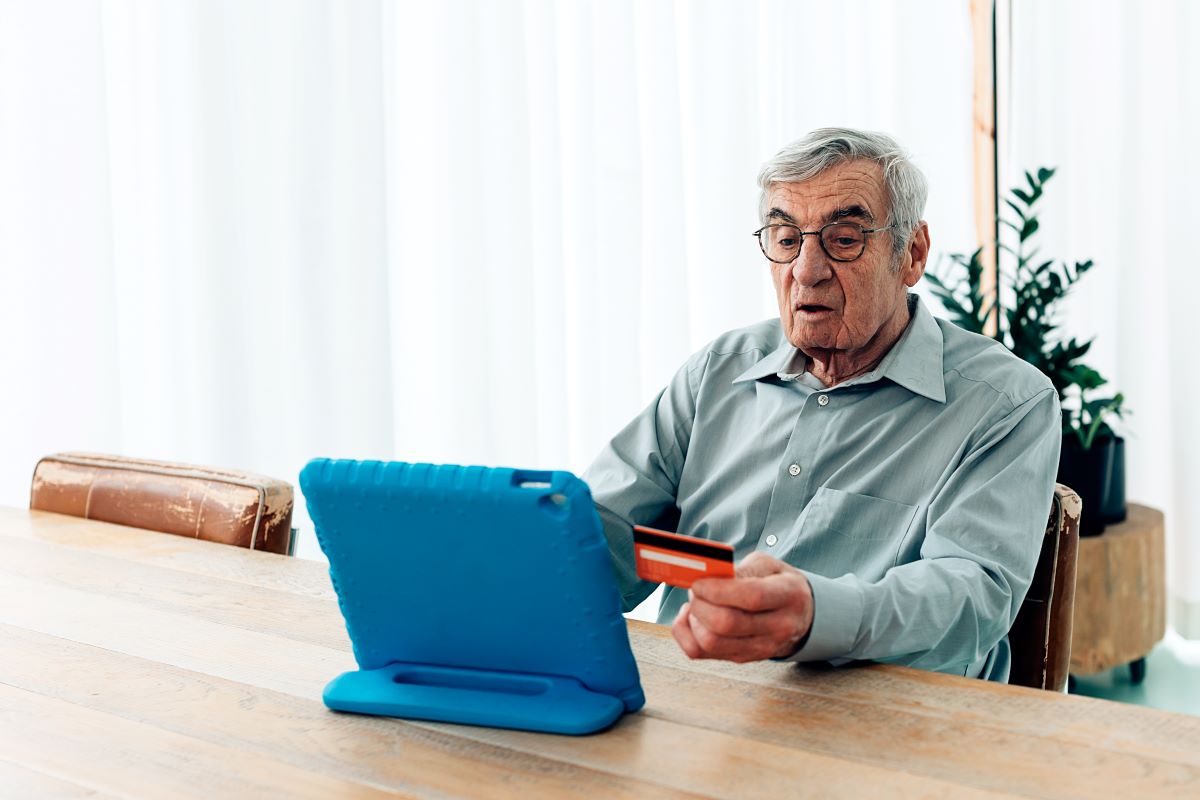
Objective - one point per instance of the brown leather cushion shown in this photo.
(219, 505)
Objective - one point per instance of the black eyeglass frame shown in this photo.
(820, 238)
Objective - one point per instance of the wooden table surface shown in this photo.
(138, 664)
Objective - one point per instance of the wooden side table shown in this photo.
(1120, 595)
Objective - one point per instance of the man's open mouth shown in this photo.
(812, 308)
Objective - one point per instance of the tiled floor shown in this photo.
(1172, 679)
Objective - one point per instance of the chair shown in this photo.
(1041, 637)
(237, 508)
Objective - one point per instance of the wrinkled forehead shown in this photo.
(851, 190)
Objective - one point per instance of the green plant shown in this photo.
(1025, 308)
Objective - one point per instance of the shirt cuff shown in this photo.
(837, 616)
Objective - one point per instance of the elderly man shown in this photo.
(883, 476)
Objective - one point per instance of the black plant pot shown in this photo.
(1098, 476)
(1112, 504)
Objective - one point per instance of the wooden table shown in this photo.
(1120, 594)
(136, 664)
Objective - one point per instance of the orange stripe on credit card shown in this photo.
(677, 560)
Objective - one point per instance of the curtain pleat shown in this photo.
(250, 233)
(1114, 106)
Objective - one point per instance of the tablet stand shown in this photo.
(548, 703)
(531, 636)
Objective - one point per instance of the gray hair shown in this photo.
(824, 148)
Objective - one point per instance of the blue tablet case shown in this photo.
(473, 595)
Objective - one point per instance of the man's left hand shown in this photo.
(763, 612)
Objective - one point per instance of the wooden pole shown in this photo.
(983, 26)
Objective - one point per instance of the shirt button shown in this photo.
(822, 399)
(771, 540)
(794, 470)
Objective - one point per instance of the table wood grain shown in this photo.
(138, 664)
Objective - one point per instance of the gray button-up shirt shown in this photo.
(913, 497)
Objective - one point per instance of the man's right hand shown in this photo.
(766, 611)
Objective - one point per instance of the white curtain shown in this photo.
(251, 233)
(1109, 92)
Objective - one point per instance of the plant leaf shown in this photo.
(1016, 209)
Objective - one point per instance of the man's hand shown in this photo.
(763, 612)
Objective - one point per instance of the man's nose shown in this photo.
(812, 264)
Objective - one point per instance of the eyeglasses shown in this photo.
(841, 241)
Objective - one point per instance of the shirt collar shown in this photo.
(914, 362)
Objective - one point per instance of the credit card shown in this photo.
(679, 560)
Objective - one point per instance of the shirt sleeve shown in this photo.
(947, 610)
(635, 478)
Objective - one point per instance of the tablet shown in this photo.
(473, 595)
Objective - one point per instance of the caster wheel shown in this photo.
(1137, 671)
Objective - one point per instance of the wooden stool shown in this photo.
(1120, 596)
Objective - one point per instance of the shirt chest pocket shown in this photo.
(842, 532)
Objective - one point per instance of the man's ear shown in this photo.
(918, 255)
